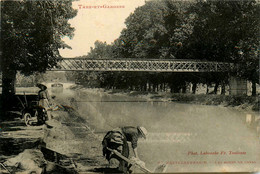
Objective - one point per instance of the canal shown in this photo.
(187, 137)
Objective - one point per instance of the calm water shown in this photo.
(178, 133)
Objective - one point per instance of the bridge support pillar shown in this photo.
(238, 86)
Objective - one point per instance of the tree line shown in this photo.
(226, 31)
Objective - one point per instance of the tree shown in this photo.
(31, 35)
(226, 31)
(155, 30)
(100, 51)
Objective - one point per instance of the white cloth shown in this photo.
(138, 161)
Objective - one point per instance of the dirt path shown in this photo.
(66, 133)
(70, 135)
(15, 137)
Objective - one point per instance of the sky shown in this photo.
(102, 23)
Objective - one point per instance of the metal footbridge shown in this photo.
(147, 65)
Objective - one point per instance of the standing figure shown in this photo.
(43, 96)
(117, 139)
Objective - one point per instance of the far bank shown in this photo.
(248, 103)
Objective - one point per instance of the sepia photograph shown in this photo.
(129, 86)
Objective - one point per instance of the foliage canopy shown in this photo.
(32, 32)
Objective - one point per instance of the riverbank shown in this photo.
(19, 147)
(72, 146)
(248, 103)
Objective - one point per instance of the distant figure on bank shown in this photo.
(117, 139)
(43, 96)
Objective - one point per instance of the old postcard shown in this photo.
(120, 86)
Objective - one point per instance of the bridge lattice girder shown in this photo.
(152, 65)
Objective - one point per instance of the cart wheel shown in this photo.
(27, 119)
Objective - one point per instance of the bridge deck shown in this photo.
(152, 65)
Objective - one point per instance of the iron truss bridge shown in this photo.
(151, 65)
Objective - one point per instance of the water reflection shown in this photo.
(175, 129)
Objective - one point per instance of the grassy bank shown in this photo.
(240, 101)
(243, 102)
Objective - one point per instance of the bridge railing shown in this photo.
(148, 65)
